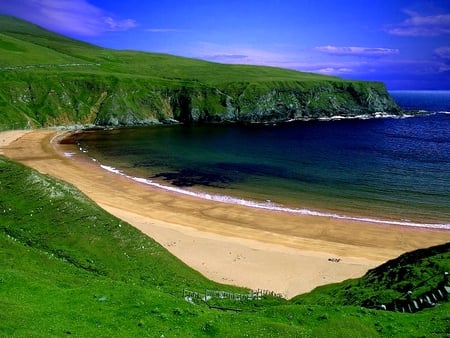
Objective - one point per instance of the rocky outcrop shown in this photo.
(111, 101)
(325, 99)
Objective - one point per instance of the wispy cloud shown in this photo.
(165, 30)
(357, 51)
(421, 25)
(284, 59)
(378, 69)
(240, 54)
(69, 16)
(229, 57)
(333, 71)
(333, 67)
(118, 25)
(443, 52)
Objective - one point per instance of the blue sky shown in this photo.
(405, 44)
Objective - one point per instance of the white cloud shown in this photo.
(233, 54)
(230, 57)
(421, 25)
(357, 51)
(70, 16)
(444, 68)
(119, 25)
(358, 68)
(164, 30)
(332, 67)
(379, 68)
(443, 52)
(240, 54)
(334, 71)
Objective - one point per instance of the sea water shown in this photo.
(389, 170)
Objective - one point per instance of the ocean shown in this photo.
(387, 170)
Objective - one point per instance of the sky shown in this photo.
(405, 44)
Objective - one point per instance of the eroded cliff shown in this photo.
(112, 101)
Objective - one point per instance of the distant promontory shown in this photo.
(51, 80)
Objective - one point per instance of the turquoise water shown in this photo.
(388, 169)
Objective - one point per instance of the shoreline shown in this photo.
(320, 208)
(228, 243)
(268, 205)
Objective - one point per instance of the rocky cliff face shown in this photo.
(111, 101)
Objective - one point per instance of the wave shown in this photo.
(268, 205)
(69, 154)
(377, 115)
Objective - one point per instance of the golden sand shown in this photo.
(233, 244)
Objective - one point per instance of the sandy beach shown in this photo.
(259, 249)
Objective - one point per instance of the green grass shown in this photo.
(33, 45)
(47, 79)
(16, 52)
(69, 268)
(418, 272)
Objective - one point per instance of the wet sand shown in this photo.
(259, 249)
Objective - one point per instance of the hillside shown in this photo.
(47, 79)
(417, 272)
(69, 268)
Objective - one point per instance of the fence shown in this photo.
(425, 300)
(210, 294)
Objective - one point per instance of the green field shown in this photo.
(24, 44)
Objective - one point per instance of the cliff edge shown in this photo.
(47, 79)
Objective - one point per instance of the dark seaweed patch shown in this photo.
(193, 177)
(221, 175)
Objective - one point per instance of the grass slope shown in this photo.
(69, 268)
(51, 46)
(419, 271)
(49, 79)
(33, 36)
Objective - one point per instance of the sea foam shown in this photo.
(268, 205)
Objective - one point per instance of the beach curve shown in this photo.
(232, 244)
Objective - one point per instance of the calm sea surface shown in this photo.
(386, 169)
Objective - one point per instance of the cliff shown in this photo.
(72, 99)
(48, 79)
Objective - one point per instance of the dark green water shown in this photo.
(395, 170)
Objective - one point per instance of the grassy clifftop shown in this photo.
(48, 79)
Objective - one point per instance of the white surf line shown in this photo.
(269, 205)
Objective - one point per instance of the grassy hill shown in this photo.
(26, 38)
(69, 268)
(49, 79)
(418, 272)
